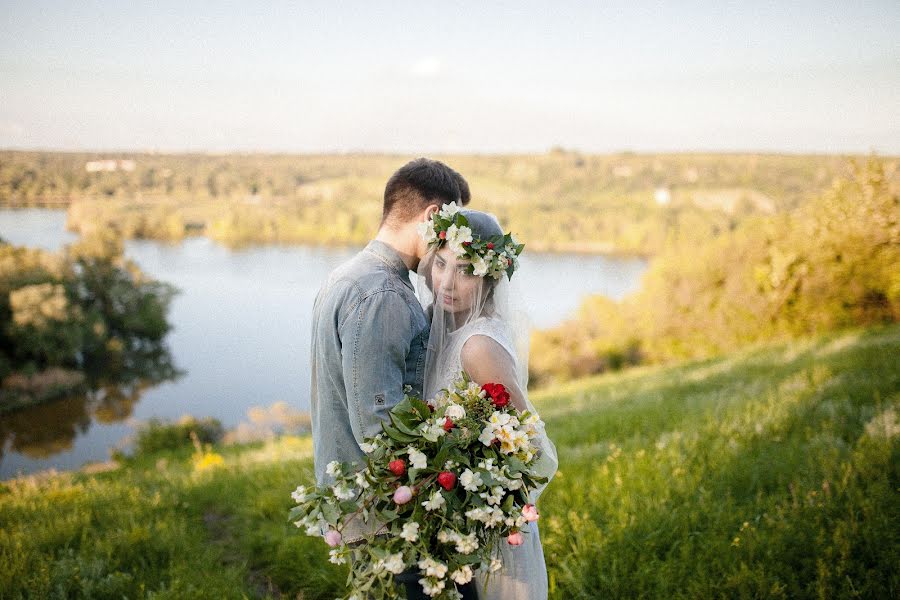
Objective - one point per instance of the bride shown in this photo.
(465, 281)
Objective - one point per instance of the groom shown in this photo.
(369, 331)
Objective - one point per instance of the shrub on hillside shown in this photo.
(827, 265)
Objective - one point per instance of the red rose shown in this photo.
(448, 424)
(497, 393)
(490, 245)
(447, 480)
(397, 467)
(443, 235)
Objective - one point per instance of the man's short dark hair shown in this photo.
(418, 184)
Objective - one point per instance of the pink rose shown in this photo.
(515, 539)
(333, 538)
(529, 511)
(403, 494)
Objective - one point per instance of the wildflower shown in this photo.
(393, 563)
(299, 495)
(435, 502)
(410, 532)
(333, 468)
(417, 459)
(462, 575)
(470, 481)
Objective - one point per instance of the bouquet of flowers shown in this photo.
(446, 482)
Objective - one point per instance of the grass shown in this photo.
(765, 474)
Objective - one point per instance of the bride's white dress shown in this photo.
(524, 572)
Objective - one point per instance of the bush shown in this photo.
(827, 265)
(157, 435)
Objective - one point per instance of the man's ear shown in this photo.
(429, 212)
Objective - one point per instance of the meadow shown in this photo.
(771, 472)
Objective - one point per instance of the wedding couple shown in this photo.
(373, 335)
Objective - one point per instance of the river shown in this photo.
(241, 326)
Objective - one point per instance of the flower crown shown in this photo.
(494, 256)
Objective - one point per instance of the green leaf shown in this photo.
(397, 435)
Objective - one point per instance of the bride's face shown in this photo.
(455, 289)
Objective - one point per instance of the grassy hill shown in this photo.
(769, 473)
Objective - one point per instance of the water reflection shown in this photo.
(45, 430)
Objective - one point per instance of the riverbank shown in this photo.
(624, 204)
(770, 472)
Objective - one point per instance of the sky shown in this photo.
(473, 77)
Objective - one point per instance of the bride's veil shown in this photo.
(460, 304)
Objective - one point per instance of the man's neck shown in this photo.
(404, 244)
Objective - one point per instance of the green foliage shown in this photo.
(556, 201)
(157, 435)
(87, 309)
(826, 265)
(770, 473)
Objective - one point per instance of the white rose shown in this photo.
(455, 412)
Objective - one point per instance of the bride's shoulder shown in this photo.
(485, 339)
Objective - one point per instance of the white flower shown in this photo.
(487, 435)
(470, 481)
(496, 518)
(393, 563)
(435, 502)
(417, 459)
(495, 496)
(337, 557)
(487, 464)
(342, 492)
(456, 237)
(368, 448)
(432, 433)
(447, 536)
(479, 267)
(433, 568)
(333, 468)
(496, 565)
(426, 231)
(299, 495)
(448, 210)
(467, 544)
(432, 587)
(314, 530)
(410, 532)
(462, 575)
(361, 480)
(455, 412)
(499, 419)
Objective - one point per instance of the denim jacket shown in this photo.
(369, 335)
